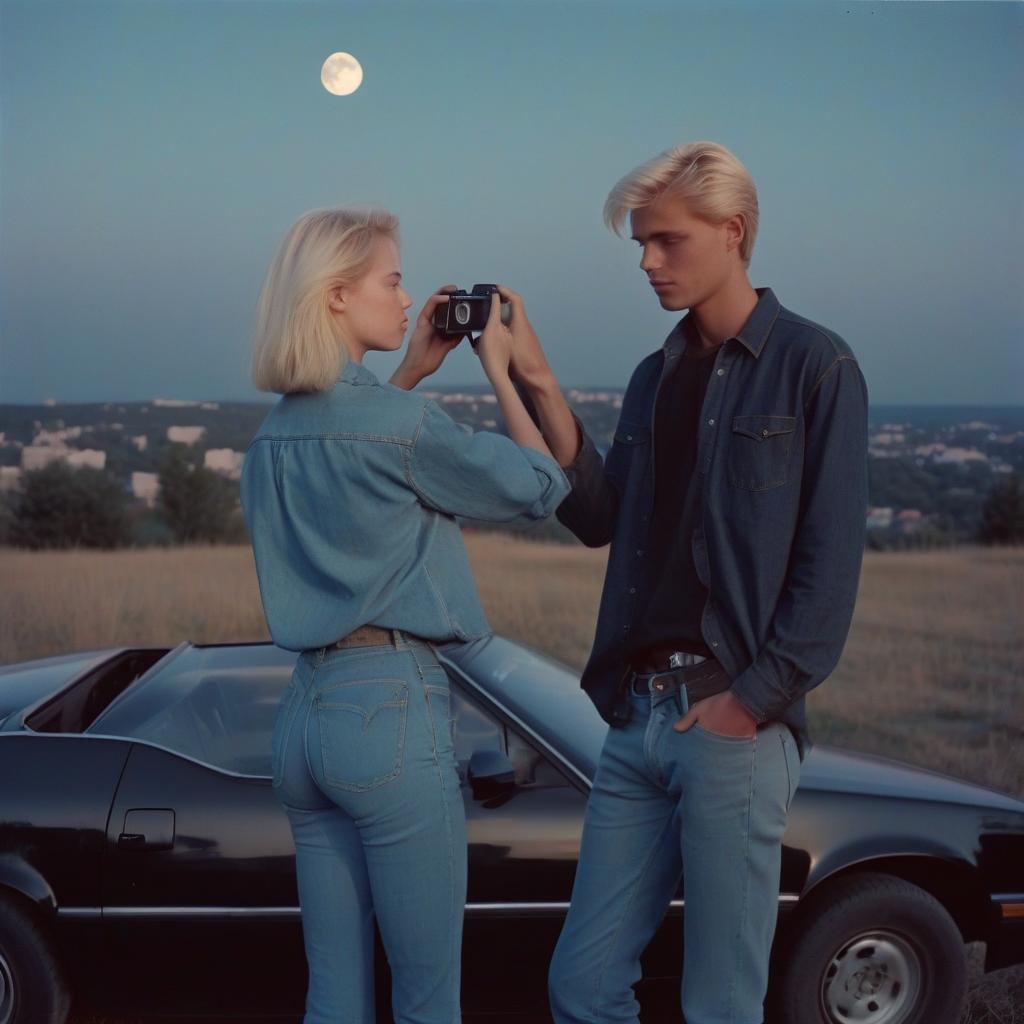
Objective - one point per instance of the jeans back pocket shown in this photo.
(362, 732)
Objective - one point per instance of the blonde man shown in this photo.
(734, 499)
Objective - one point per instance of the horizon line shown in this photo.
(53, 403)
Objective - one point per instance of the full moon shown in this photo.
(341, 74)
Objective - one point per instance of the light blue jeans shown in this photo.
(662, 799)
(364, 765)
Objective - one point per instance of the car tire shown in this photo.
(32, 986)
(876, 949)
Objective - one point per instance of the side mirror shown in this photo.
(491, 773)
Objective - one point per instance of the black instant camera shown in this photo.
(467, 312)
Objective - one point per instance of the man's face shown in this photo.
(685, 258)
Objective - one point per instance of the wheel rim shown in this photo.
(6, 991)
(873, 979)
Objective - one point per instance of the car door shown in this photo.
(523, 844)
(199, 902)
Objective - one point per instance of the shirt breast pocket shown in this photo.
(630, 449)
(759, 451)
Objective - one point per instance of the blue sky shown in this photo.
(153, 154)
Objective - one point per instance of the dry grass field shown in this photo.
(932, 672)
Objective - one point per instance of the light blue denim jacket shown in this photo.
(350, 496)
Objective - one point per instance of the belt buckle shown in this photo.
(684, 659)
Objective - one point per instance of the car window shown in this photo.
(535, 690)
(217, 705)
(532, 767)
(477, 729)
(213, 704)
(474, 729)
(30, 681)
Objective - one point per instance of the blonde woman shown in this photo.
(350, 490)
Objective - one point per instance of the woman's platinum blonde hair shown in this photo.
(712, 181)
(296, 342)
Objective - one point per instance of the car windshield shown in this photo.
(213, 704)
(542, 693)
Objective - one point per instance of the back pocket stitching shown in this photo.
(403, 704)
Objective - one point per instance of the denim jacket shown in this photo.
(782, 454)
(350, 496)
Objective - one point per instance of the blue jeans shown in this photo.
(364, 765)
(661, 800)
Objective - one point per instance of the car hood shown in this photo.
(846, 771)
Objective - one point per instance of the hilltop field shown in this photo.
(932, 672)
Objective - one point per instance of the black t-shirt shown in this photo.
(671, 597)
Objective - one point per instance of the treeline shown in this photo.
(61, 507)
(993, 515)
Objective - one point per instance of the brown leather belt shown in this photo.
(366, 636)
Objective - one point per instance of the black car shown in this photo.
(146, 866)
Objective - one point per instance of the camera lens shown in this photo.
(462, 313)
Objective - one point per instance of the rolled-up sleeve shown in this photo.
(480, 474)
(591, 507)
(815, 609)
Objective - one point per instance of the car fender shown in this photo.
(24, 879)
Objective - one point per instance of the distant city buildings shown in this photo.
(906, 520)
(38, 456)
(879, 518)
(183, 403)
(961, 455)
(225, 461)
(947, 468)
(145, 487)
(185, 435)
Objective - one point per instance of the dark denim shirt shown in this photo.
(782, 450)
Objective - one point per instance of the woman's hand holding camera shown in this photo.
(427, 347)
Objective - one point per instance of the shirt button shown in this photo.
(720, 372)
(629, 437)
(632, 590)
(764, 433)
(711, 423)
(714, 643)
(639, 552)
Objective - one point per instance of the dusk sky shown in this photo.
(153, 154)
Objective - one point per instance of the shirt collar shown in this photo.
(356, 373)
(752, 335)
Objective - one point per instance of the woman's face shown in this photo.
(371, 312)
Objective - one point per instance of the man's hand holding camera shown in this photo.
(529, 365)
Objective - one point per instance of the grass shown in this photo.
(931, 672)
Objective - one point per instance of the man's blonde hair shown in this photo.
(711, 180)
(296, 342)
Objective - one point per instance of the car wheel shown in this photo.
(873, 949)
(32, 989)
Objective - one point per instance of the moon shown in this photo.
(341, 74)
